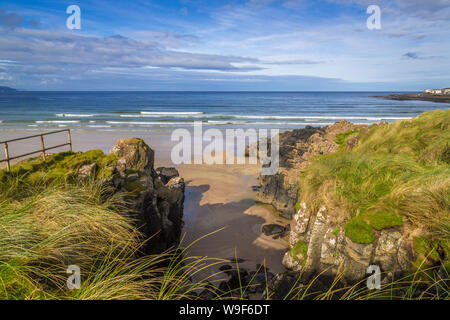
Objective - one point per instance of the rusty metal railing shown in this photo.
(42, 150)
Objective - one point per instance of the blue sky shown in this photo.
(269, 45)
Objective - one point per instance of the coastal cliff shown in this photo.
(297, 147)
(373, 195)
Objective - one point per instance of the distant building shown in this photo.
(445, 91)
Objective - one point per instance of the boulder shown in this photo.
(154, 199)
(134, 154)
(273, 229)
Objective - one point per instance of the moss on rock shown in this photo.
(300, 249)
(359, 231)
(382, 219)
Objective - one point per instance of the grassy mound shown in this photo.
(398, 172)
(50, 220)
(56, 169)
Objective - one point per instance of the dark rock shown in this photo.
(272, 229)
(225, 267)
(166, 174)
(296, 148)
(157, 206)
(258, 282)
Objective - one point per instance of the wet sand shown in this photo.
(217, 196)
(221, 196)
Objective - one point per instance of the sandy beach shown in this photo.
(217, 197)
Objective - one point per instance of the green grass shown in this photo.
(48, 221)
(300, 248)
(60, 166)
(398, 173)
(359, 231)
(66, 224)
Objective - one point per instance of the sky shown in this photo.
(215, 45)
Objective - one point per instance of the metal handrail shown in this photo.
(42, 150)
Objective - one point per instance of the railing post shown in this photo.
(69, 137)
(7, 157)
(43, 146)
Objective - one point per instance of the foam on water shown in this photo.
(125, 110)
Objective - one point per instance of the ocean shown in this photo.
(147, 111)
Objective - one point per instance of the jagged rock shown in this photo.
(154, 200)
(167, 174)
(296, 149)
(331, 253)
(280, 288)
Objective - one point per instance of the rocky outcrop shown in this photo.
(318, 243)
(330, 252)
(154, 197)
(296, 149)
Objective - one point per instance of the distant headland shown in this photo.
(7, 89)
(434, 95)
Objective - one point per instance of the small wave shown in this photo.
(100, 126)
(147, 123)
(170, 113)
(57, 121)
(74, 115)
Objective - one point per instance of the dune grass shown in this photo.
(45, 228)
(398, 173)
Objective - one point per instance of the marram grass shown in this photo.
(398, 172)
